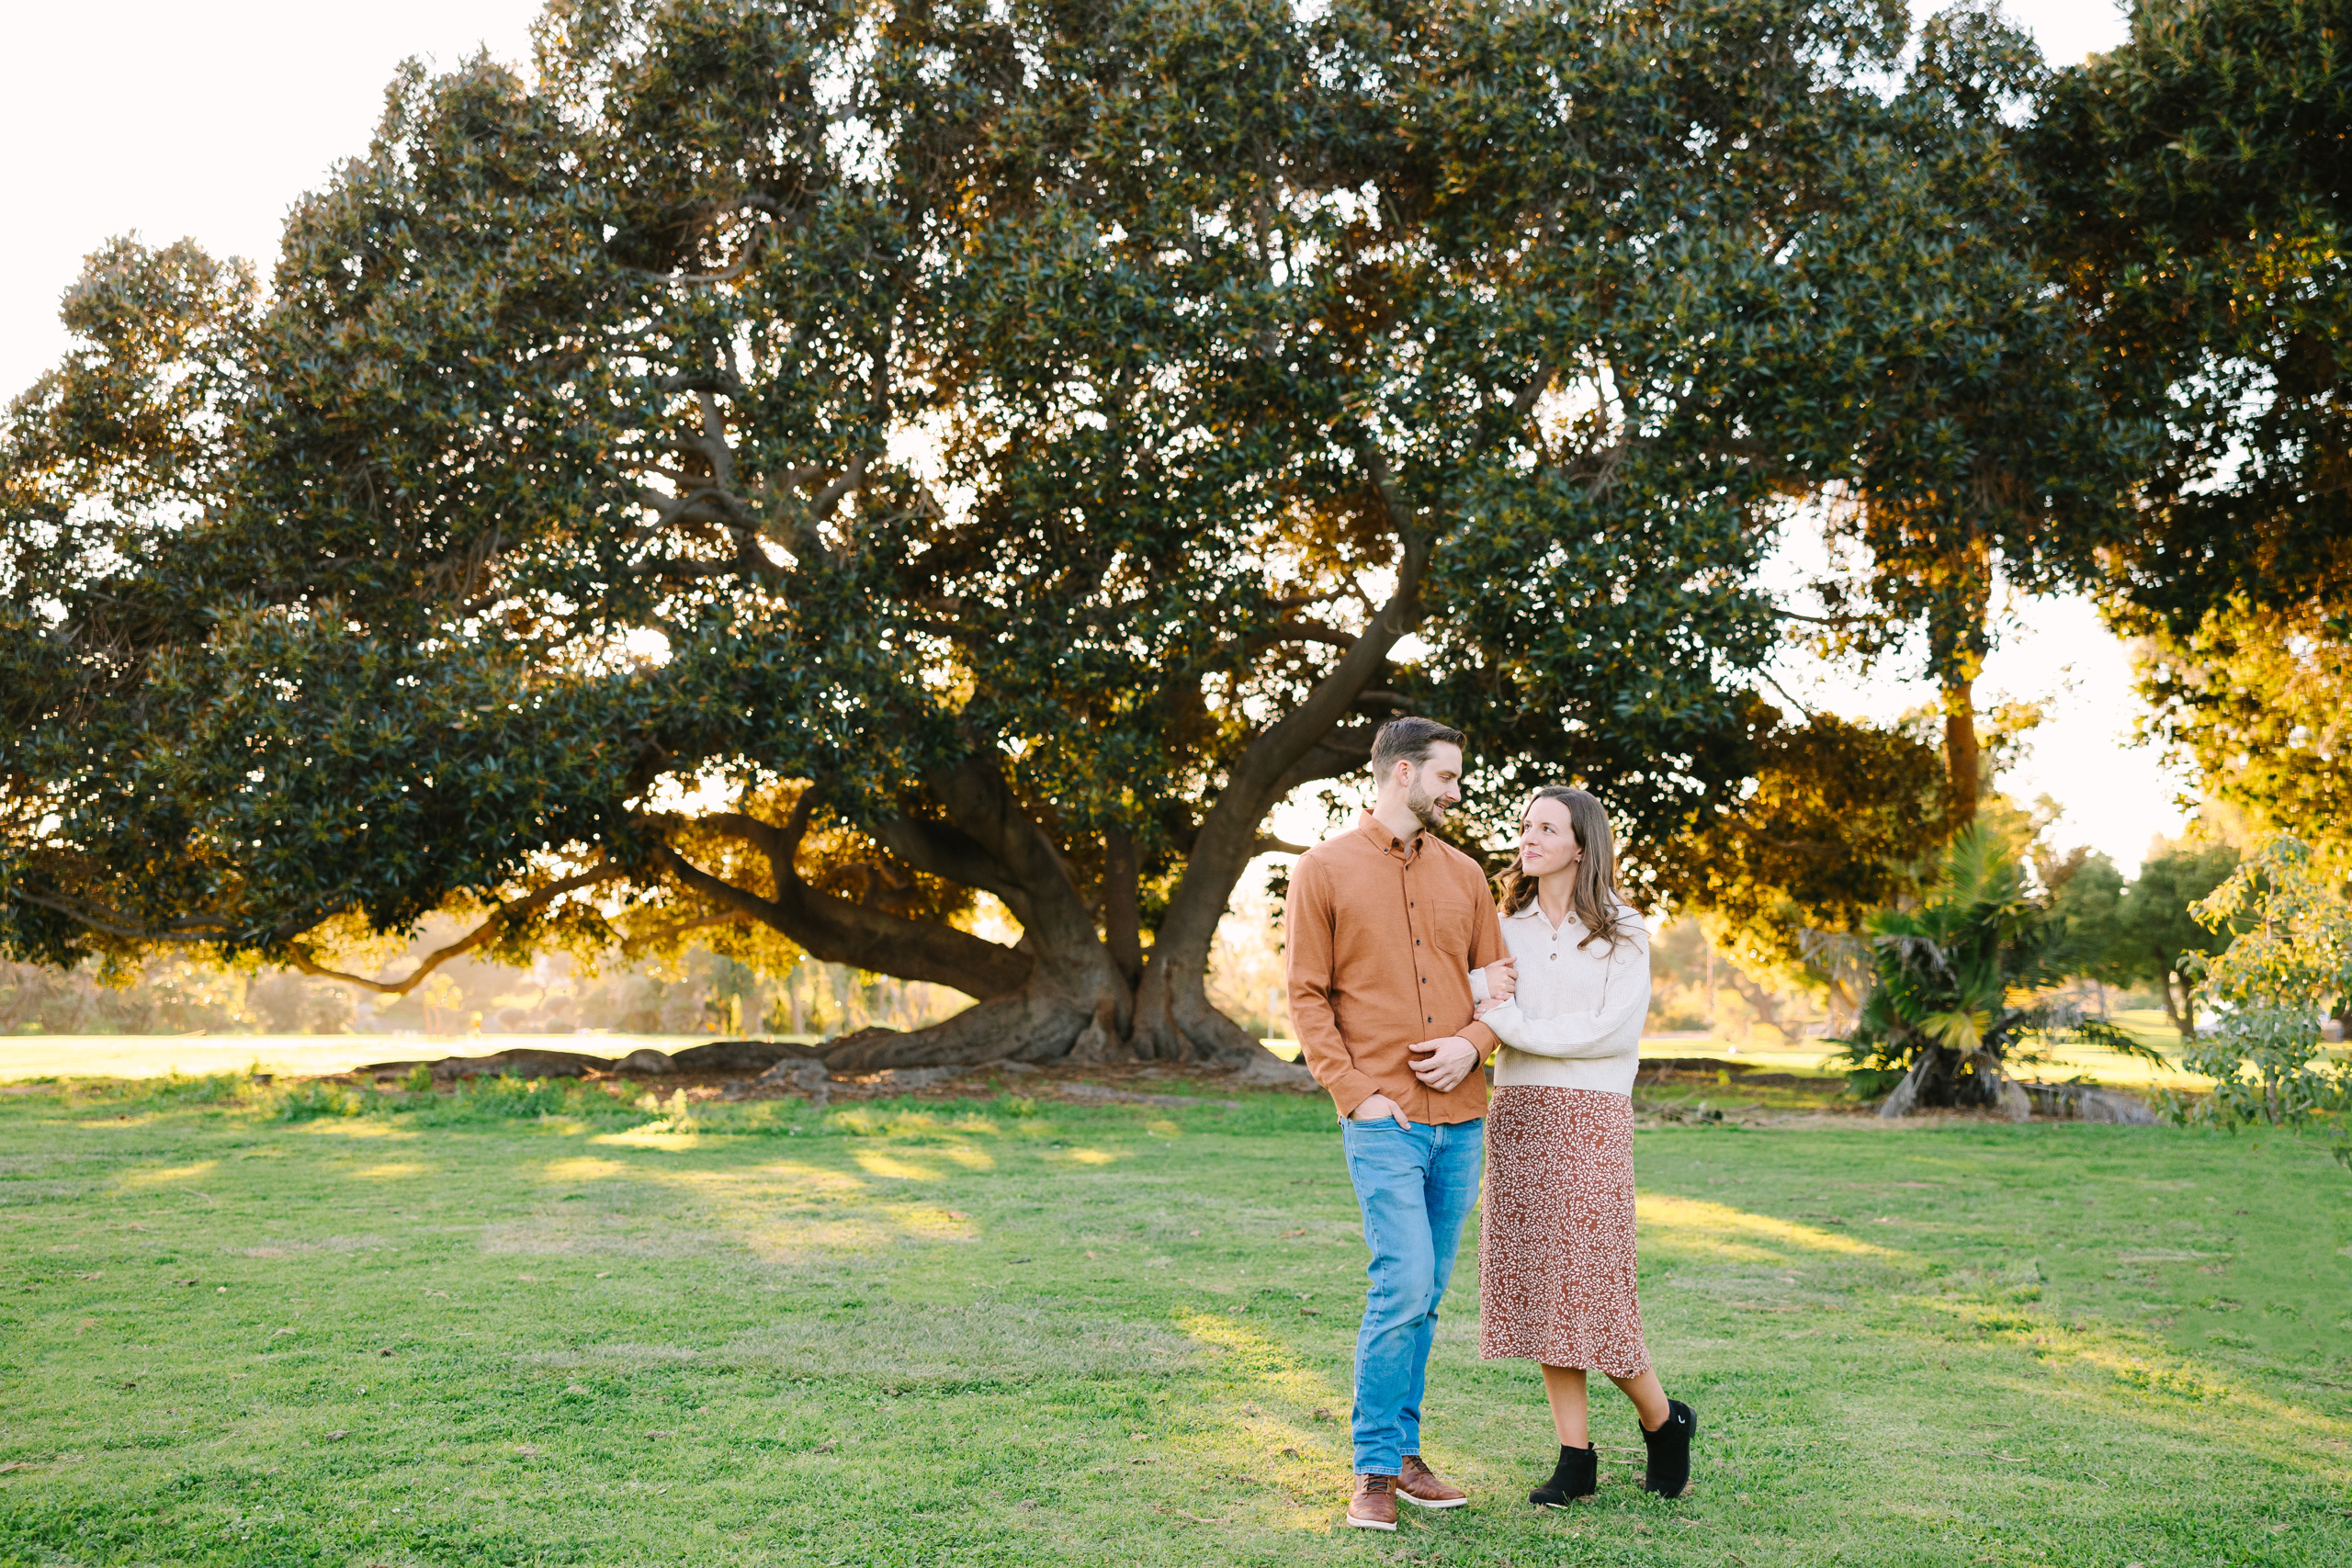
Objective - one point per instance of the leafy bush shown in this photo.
(677, 1114)
(200, 1088)
(473, 1102)
(2270, 989)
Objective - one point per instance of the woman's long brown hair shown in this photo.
(1593, 894)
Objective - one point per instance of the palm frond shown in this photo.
(2113, 1037)
(1960, 1031)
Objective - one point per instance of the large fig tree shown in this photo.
(814, 463)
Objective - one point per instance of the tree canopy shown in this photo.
(809, 464)
(1843, 818)
(2196, 180)
(1994, 459)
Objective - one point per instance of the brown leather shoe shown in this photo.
(1420, 1484)
(1373, 1507)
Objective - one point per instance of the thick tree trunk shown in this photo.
(1122, 920)
(2181, 1015)
(1961, 750)
(1039, 1022)
(1174, 1021)
(1074, 984)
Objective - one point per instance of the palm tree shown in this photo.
(1951, 998)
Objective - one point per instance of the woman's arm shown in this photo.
(1602, 1032)
(1497, 982)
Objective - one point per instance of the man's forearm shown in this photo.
(1325, 1051)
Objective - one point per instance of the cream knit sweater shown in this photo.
(1575, 1021)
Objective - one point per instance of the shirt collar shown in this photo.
(1376, 832)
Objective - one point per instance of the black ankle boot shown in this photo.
(1669, 1447)
(1578, 1475)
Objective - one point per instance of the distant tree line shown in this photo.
(698, 992)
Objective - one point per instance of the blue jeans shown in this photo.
(1416, 1185)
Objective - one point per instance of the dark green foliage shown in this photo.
(2196, 190)
(1945, 970)
(2086, 898)
(1992, 456)
(2198, 204)
(1874, 1083)
(801, 466)
(2147, 932)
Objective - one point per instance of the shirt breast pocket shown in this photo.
(1451, 921)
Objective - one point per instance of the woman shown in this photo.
(1556, 1241)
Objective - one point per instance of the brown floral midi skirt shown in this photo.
(1555, 1231)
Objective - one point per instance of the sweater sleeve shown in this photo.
(1602, 1032)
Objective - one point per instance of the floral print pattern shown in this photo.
(1556, 1233)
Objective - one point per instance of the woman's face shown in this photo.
(1546, 841)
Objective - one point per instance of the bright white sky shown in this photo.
(212, 116)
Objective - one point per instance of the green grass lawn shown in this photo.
(546, 1327)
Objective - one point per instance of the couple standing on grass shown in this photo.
(1403, 976)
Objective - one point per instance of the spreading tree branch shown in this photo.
(839, 931)
(299, 957)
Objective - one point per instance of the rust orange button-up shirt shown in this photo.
(1382, 937)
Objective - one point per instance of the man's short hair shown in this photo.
(1408, 741)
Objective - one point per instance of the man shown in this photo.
(1385, 922)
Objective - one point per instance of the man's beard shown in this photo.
(1426, 807)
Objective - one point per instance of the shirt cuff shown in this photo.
(1477, 984)
(1350, 1089)
(1478, 1035)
